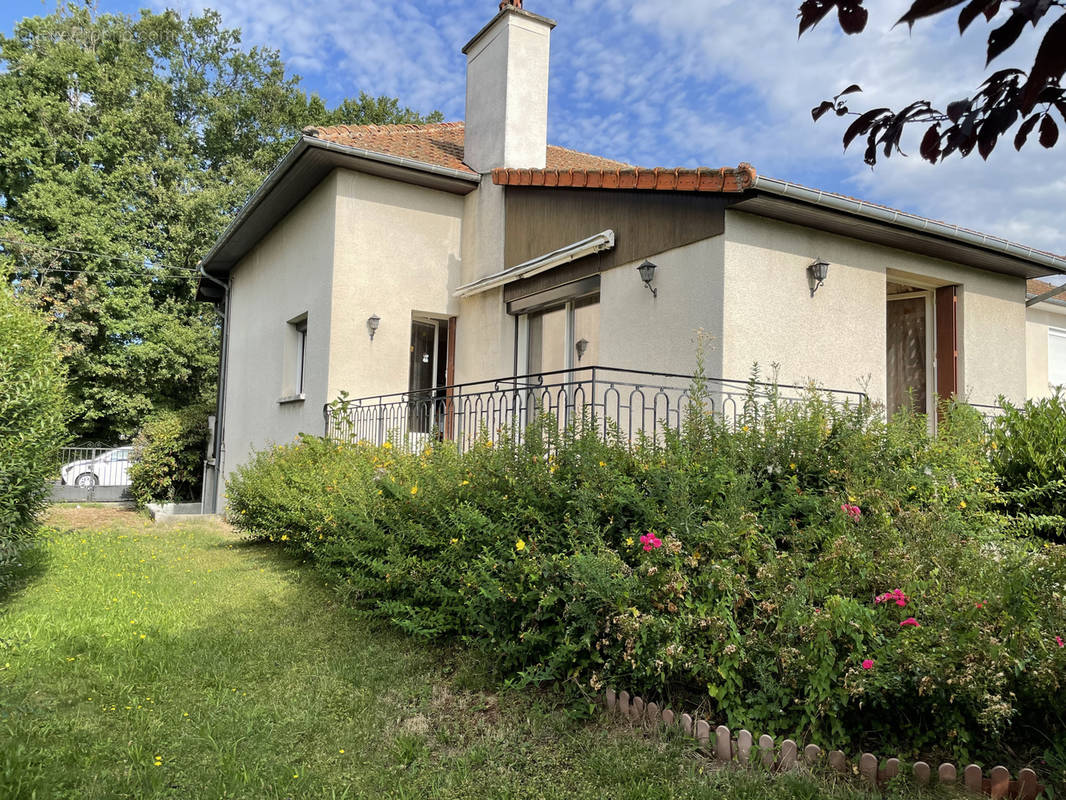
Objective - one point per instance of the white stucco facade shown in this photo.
(1040, 320)
(838, 337)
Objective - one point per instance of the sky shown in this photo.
(684, 83)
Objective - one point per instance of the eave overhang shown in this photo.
(788, 202)
(305, 166)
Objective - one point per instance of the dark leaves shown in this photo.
(926, 8)
(1024, 131)
(987, 7)
(1050, 63)
(1049, 131)
(850, 14)
(852, 17)
(957, 109)
(1005, 35)
(863, 124)
(930, 148)
(817, 112)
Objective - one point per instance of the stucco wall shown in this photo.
(838, 337)
(286, 275)
(1038, 319)
(658, 334)
(398, 254)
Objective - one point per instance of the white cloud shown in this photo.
(691, 82)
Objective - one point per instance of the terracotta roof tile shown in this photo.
(726, 179)
(440, 144)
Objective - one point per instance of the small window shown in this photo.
(294, 365)
(1056, 357)
(301, 349)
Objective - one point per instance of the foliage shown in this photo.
(240, 638)
(128, 145)
(33, 409)
(1008, 98)
(1029, 455)
(168, 456)
(738, 568)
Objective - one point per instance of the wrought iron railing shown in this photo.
(630, 404)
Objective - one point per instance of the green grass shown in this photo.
(177, 662)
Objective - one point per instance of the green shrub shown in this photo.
(1028, 452)
(168, 456)
(736, 568)
(33, 416)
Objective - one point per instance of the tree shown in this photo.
(1007, 99)
(33, 411)
(126, 146)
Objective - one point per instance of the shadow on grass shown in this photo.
(31, 562)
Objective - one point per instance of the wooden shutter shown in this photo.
(947, 342)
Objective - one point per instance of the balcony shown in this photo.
(632, 405)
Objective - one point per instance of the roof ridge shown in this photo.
(355, 130)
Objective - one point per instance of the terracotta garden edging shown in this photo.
(723, 747)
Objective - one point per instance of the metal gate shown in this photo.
(93, 473)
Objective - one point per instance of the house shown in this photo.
(1045, 338)
(405, 259)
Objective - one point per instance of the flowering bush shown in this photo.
(814, 572)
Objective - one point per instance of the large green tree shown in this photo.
(126, 145)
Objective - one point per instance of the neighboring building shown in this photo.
(1045, 340)
(377, 260)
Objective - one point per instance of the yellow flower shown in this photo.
(629, 541)
(142, 635)
(342, 751)
(464, 483)
(520, 545)
(414, 490)
(387, 445)
(792, 466)
(962, 504)
(603, 463)
(284, 537)
(455, 541)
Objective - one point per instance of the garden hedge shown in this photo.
(815, 572)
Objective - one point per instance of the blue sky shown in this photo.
(682, 83)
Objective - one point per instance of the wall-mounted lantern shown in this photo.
(581, 345)
(372, 324)
(647, 273)
(816, 274)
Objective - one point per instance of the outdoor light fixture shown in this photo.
(647, 273)
(582, 345)
(816, 273)
(372, 325)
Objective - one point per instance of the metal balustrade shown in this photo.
(622, 403)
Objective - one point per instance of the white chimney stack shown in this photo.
(507, 91)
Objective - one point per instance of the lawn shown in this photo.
(154, 662)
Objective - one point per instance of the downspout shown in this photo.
(220, 408)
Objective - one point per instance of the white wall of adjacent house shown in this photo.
(1045, 346)
(838, 336)
(284, 281)
(398, 253)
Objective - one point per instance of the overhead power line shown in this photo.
(92, 254)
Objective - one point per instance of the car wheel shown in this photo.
(86, 480)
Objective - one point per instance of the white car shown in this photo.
(110, 468)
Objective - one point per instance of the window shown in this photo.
(294, 366)
(564, 337)
(301, 349)
(1056, 357)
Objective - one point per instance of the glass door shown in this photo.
(908, 352)
(428, 374)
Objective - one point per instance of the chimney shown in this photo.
(507, 91)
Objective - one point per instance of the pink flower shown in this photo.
(650, 541)
(868, 664)
(854, 512)
(978, 605)
(896, 594)
(1059, 642)
(910, 621)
